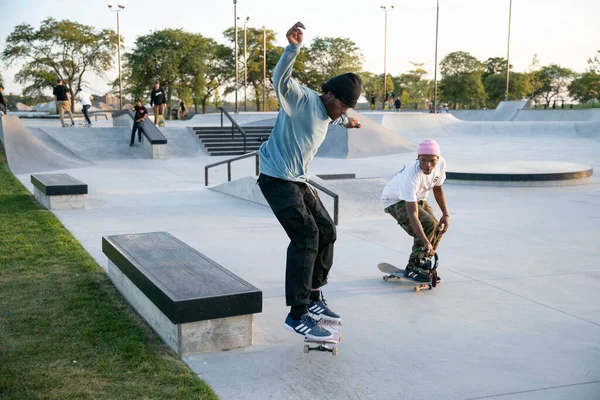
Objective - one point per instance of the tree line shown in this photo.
(201, 71)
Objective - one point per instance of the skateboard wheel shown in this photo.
(306, 348)
(417, 288)
(340, 338)
(385, 278)
(335, 351)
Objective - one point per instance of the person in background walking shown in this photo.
(61, 99)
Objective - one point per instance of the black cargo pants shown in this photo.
(311, 231)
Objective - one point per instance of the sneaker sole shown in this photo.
(326, 318)
(309, 336)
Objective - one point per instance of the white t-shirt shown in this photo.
(84, 98)
(411, 184)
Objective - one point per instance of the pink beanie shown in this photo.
(429, 147)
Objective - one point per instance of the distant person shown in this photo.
(61, 99)
(299, 131)
(398, 104)
(444, 108)
(158, 101)
(405, 199)
(3, 105)
(373, 100)
(140, 116)
(182, 111)
(84, 98)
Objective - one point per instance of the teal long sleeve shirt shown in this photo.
(300, 127)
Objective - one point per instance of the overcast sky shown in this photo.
(562, 32)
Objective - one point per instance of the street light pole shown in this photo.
(508, 52)
(245, 66)
(385, 9)
(264, 67)
(236, 53)
(120, 7)
(437, 18)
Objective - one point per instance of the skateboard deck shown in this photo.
(330, 345)
(394, 273)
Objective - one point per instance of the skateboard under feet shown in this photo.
(330, 345)
(394, 273)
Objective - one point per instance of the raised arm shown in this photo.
(288, 91)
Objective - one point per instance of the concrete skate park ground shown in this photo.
(518, 313)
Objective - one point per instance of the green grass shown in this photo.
(65, 332)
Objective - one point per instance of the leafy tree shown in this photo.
(330, 56)
(553, 80)
(495, 87)
(188, 65)
(494, 65)
(374, 83)
(587, 85)
(414, 89)
(255, 63)
(594, 63)
(461, 81)
(58, 49)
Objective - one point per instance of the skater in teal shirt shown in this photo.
(299, 130)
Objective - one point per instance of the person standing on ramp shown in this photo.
(299, 130)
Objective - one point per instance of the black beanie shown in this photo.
(346, 87)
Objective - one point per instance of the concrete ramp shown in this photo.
(243, 188)
(181, 142)
(369, 141)
(29, 152)
(506, 111)
(98, 144)
(416, 126)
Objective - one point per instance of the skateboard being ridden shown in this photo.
(425, 263)
(301, 127)
(405, 199)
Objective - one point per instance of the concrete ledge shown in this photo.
(59, 191)
(61, 202)
(194, 304)
(185, 338)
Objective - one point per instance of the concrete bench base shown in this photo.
(186, 338)
(60, 202)
(159, 151)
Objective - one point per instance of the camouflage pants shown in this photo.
(428, 221)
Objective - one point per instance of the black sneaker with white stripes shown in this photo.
(417, 274)
(319, 310)
(308, 327)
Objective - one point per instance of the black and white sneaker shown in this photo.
(417, 274)
(308, 327)
(320, 311)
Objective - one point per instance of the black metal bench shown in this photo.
(192, 302)
(59, 191)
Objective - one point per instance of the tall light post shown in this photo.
(245, 65)
(437, 18)
(264, 67)
(385, 9)
(120, 7)
(508, 52)
(236, 53)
